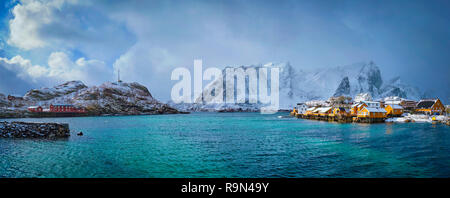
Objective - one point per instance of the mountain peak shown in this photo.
(370, 66)
(343, 88)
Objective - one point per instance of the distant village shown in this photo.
(46, 110)
(57, 108)
(364, 110)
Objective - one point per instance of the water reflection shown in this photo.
(389, 130)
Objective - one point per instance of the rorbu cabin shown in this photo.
(393, 110)
(339, 111)
(325, 111)
(309, 111)
(408, 104)
(372, 104)
(35, 109)
(301, 108)
(65, 108)
(372, 113)
(356, 108)
(294, 112)
(316, 111)
(430, 107)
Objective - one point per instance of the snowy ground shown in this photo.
(417, 118)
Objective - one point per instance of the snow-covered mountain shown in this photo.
(54, 92)
(108, 98)
(395, 87)
(344, 80)
(319, 84)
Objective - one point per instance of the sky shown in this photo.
(43, 43)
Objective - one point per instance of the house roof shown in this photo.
(324, 109)
(396, 102)
(311, 109)
(425, 104)
(358, 105)
(371, 102)
(342, 109)
(374, 110)
(394, 106)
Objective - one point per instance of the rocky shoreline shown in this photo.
(33, 130)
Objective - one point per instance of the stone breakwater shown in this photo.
(33, 130)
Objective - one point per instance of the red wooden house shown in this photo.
(35, 109)
(65, 108)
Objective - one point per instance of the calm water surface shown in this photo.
(229, 145)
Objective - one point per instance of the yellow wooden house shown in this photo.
(372, 113)
(294, 112)
(309, 111)
(340, 111)
(356, 108)
(393, 110)
(325, 111)
(430, 106)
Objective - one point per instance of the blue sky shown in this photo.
(47, 42)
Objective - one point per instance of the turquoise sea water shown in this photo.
(229, 145)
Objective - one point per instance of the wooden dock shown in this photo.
(338, 118)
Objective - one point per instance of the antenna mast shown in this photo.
(118, 76)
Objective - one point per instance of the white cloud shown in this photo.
(23, 68)
(29, 17)
(57, 25)
(142, 59)
(60, 69)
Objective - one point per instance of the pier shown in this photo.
(329, 118)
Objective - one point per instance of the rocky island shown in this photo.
(110, 98)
